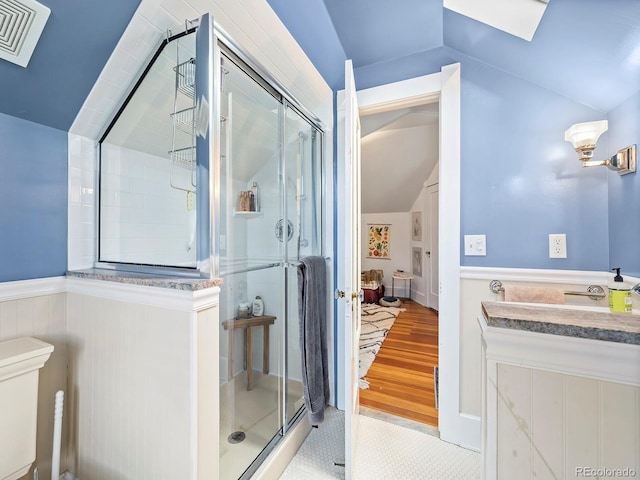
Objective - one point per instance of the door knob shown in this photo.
(427, 253)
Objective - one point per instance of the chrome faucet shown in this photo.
(636, 288)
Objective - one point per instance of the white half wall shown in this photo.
(143, 398)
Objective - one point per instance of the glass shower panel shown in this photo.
(251, 264)
(302, 171)
(303, 185)
(250, 160)
(251, 375)
(147, 165)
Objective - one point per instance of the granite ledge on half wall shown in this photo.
(609, 327)
(146, 279)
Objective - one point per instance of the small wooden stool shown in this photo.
(246, 324)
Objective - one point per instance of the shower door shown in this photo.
(250, 258)
(269, 216)
(303, 195)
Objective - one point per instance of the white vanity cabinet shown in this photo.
(560, 393)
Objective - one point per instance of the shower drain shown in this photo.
(236, 437)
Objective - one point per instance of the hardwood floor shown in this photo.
(401, 376)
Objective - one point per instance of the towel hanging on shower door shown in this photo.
(312, 307)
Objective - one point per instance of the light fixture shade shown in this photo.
(585, 134)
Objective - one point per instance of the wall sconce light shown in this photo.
(584, 136)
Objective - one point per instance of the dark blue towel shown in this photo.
(312, 312)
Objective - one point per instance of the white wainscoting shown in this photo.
(37, 308)
(553, 405)
(474, 288)
(143, 381)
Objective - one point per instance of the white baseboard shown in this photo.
(470, 431)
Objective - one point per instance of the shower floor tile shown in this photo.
(256, 413)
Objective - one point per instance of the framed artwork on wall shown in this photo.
(416, 226)
(416, 262)
(378, 241)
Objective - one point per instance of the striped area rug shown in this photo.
(376, 323)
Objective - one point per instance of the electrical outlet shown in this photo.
(558, 245)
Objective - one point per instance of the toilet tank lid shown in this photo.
(20, 349)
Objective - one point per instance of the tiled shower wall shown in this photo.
(82, 202)
(149, 217)
(43, 317)
(145, 219)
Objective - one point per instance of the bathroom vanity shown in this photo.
(560, 391)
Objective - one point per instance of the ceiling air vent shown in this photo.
(21, 24)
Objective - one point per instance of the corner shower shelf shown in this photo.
(237, 213)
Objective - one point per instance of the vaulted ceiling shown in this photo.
(586, 50)
(76, 43)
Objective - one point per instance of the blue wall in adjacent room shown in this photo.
(33, 200)
(624, 190)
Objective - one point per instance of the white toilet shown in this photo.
(20, 361)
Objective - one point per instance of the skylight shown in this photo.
(517, 17)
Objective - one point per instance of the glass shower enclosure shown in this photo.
(221, 177)
(270, 217)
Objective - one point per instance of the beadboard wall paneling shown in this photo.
(550, 425)
(130, 381)
(144, 383)
(43, 317)
(474, 288)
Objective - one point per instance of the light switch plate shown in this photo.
(475, 245)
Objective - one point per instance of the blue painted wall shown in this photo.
(520, 180)
(624, 191)
(33, 200)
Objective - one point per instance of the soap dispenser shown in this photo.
(619, 294)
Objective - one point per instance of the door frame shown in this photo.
(444, 86)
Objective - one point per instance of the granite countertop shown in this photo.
(596, 325)
(146, 279)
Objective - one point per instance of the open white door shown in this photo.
(349, 263)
